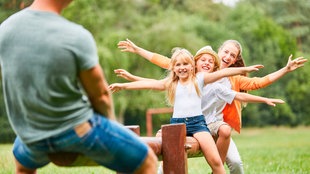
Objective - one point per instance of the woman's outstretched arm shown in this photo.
(290, 66)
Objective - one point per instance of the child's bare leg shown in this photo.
(210, 152)
(223, 141)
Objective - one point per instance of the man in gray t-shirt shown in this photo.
(55, 91)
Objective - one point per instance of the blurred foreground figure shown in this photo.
(55, 108)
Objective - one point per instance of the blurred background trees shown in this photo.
(269, 31)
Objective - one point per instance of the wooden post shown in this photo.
(173, 149)
(134, 128)
(149, 115)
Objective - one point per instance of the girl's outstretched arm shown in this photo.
(139, 85)
(128, 76)
(245, 97)
(214, 76)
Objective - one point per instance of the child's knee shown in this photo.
(224, 131)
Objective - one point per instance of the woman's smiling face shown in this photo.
(228, 55)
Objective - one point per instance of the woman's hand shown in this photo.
(128, 46)
(295, 64)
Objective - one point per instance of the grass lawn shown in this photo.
(264, 151)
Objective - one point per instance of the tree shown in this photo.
(292, 15)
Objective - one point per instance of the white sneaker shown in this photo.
(160, 169)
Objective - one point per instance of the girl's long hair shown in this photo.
(172, 79)
(239, 62)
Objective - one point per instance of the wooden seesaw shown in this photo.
(173, 148)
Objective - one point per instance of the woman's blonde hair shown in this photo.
(172, 80)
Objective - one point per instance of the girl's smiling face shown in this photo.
(183, 69)
(205, 63)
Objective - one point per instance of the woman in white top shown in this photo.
(184, 88)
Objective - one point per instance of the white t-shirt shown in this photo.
(187, 102)
(214, 98)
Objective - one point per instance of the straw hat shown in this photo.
(206, 50)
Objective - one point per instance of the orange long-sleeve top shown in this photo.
(231, 112)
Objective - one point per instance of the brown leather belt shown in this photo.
(82, 129)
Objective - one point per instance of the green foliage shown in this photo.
(6, 133)
(292, 15)
(298, 94)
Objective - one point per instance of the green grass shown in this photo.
(263, 151)
(269, 151)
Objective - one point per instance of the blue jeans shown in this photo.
(193, 124)
(108, 143)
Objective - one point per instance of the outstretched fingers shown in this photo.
(296, 63)
(127, 46)
(255, 67)
(114, 87)
(273, 102)
(259, 66)
(300, 60)
(123, 46)
(123, 74)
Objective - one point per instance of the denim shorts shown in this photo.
(193, 124)
(108, 143)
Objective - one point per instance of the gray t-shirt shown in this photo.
(41, 55)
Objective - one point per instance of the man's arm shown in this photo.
(96, 87)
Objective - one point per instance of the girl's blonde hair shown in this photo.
(172, 80)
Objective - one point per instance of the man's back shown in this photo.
(44, 61)
(41, 59)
